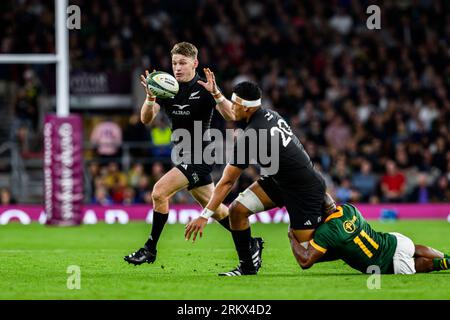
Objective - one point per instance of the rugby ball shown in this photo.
(162, 84)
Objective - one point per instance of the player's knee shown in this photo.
(237, 213)
(237, 209)
(158, 195)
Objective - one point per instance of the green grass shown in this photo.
(34, 261)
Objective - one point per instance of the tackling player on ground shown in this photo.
(296, 185)
(349, 237)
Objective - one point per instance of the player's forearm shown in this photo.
(148, 110)
(221, 191)
(302, 256)
(223, 105)
(225, 110)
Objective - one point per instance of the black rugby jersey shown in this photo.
(192, 103)
(295, 167)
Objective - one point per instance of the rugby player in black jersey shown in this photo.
(295, 185)
(195, 101)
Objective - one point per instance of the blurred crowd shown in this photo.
(371, 107)
(111, 185)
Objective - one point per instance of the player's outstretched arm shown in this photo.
(222, 189)
(223, 105)
(149, 108)
(306, 257)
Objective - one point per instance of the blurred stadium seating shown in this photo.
(371, 107)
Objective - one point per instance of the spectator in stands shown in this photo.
(32, 88)
(23, 140)
(365, 181)
(102, 197)
(129, 196)
(136, 132)
(142, 188)
(135, 174)
(24, 112)
(6, 198)
(115, 181)
(422, 192)
(341, 170)
(337, 133)
(161, 139)
(113, 175)
(441, 190)
(393, 183)
(107, 138)
(156, 173)
(345, 192)
(93, 173)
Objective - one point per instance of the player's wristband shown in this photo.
(206, 213)
(220, 99)
(150, 101)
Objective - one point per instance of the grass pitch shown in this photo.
(34, 261)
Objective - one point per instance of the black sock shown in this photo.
(225, 222)
(159, 220)
(242, 242)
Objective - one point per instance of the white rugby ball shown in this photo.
(162, 84)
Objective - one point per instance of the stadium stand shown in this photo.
(360, 100)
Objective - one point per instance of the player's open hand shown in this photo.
(210, 83)
(144, 83)
(195, 227)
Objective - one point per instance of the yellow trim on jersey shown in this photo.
(339, 213)
(317, 247)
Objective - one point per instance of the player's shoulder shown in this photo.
(263, 118)
(328, 231)
(350, 210)
(275, 113)
(351, 220)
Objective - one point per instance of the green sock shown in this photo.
(446, 256)
(441, 264)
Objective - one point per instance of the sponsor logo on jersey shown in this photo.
(180, 111)
(349, 225)
(194, 95)
(184, 166)
(181, 107)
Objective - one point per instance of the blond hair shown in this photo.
(186, 49)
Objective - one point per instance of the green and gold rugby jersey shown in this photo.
(353, 240)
